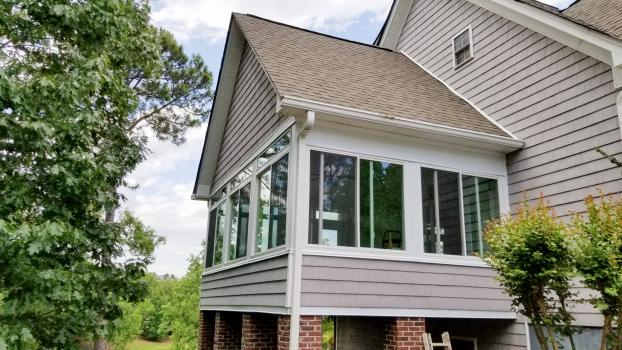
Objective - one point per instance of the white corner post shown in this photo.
(299, 236)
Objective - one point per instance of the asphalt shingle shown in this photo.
(326, 69)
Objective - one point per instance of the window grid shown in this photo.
(462, 46)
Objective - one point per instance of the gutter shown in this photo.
(405, 123)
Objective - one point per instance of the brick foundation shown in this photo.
(282, 332)
(310, 332)
(259, 331)
(404, 333)
(206, 330)
(228, 331)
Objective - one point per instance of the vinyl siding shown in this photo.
(559, 101)
(251, 119)
(360, 283)
(262, 285)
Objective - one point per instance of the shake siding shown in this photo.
(262, 284)
(252, 116)
(559, 101)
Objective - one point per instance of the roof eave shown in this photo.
(457, 135)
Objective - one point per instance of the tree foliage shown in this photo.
(532, 255)
(76, 80)
(181, 312)
(598, 237)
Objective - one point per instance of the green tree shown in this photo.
(124, 330)
(76, 81)
(181, 311)
(533, 259)
(598, 237)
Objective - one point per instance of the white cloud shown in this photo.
(209, 19)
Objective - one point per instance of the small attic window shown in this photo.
(462, 45)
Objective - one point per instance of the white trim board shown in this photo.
(426, 313)
(258, 309)
(505, 144)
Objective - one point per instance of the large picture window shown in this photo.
(448, 227)
(337, 203)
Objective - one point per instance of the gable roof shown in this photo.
(604, 16)
(326, 69)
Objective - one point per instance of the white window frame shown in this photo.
(357, 200)
(229, 190)
(453, 47)
(461, 199)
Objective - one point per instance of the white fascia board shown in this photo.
(598, 45)
(425, 313)
(220, 108)
(507, 143)
(246, 309)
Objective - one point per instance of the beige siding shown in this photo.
(259, 285)
(560, 101)
(361, 283)
(252, 116)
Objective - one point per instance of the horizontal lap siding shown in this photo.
(252, 116)
(360, 283)
(558, 100)
(260, 284)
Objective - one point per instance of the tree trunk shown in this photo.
(552, 337)
(540, 336)
(102, 343)
(606, 331)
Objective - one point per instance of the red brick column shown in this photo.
(259, 331)
(282, 330)
(228, 331)
(206, 330)
(404, 333)
(310, 332)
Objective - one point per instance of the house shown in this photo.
(348, 184)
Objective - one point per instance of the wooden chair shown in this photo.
(429, 345)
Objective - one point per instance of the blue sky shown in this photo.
(166, 178)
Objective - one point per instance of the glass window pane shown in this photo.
(219, 236)
(238, 233)
(442, 228)
(272, 214)
(243, 175)
(278, 203)
(449, 212)
(314, 198)
(263, 214)
(338, 200)
(488, 202)
(429, 210)
(275, 148)
(211, 230)
(471, 223)
(381, 205)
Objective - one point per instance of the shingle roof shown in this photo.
(326, 69)
(604, 16)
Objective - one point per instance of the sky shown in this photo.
(166, 178)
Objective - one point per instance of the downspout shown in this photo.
(301, 205)
(616, 72)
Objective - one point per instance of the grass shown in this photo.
(141, 344)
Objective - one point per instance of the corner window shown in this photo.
(462, 47)
(230, 228)
(346, 190)
(450, 227)
(272, 212)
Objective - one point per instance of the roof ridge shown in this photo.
(312, 31)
